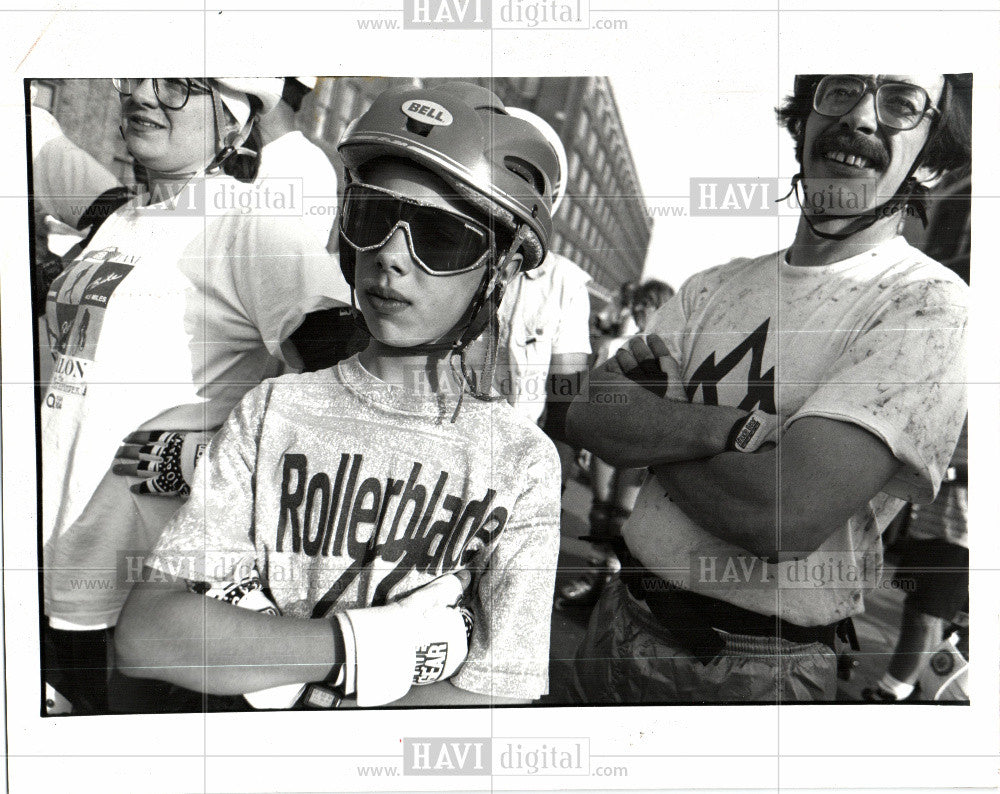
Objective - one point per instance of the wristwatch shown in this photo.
(748, 433)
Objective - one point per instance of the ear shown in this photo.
(927, 177)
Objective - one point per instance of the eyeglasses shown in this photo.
(899, 106)
(441, 241)
(171, 92)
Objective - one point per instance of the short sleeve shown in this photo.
(904, 381)
(573, 335)
(65, 178)
(509, 653)
(281, 275)
(213, 532)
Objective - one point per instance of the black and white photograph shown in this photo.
(495, 417)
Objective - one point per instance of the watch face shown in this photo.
(747, 432)
(321, 697)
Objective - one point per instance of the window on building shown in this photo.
(528, 86)
(583, 127)
(574, 164)
(601, 160)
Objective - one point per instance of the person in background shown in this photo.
(180, 303)
(544, 327)
(614, 489)
(67, 189)
(934, 559)
(288, 154)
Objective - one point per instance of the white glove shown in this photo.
(248, 593)
(421, 639)
(165, 460)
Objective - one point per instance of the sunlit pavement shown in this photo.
(877, 628)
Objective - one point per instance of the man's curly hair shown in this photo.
(949, 148)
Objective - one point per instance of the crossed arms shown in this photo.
(779, 503)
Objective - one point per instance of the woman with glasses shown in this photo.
(366, 496)
(180, 303)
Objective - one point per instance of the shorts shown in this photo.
(627, 657)
(939, 574)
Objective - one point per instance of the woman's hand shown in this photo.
(163, 459)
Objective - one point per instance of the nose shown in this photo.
(143, 93)
(862, 117)
(394, 255)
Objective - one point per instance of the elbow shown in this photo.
(788, 539)
(575, 422)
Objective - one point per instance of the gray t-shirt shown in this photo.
(345, 491)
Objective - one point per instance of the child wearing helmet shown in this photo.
(402, 518)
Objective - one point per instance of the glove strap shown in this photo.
(349, 667)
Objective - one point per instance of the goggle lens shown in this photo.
(440, 240)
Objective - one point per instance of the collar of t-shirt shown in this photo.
(894, 248)
(400, 398)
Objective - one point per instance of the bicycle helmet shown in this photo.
(462, 132)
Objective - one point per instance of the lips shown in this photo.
(851, 152)
(386, 300)
(852, 160)
(141, 122)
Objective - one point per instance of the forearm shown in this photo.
(784, 502)
(628, 426)
(732, 496)
(210, 646)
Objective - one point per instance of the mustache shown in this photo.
(870, 148)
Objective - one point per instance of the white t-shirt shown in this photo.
(544, 312)
(345, 491)
(294, 156)
(877, 340)
(164, 322)
(65, 179)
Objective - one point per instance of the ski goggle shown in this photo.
(171, 92)
(441, 241)
(899, 106)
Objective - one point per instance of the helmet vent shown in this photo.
(418, 127)
(528, 172)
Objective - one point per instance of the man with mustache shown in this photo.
(787, 406)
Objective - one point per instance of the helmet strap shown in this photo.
(909, 193)
(232, 143)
